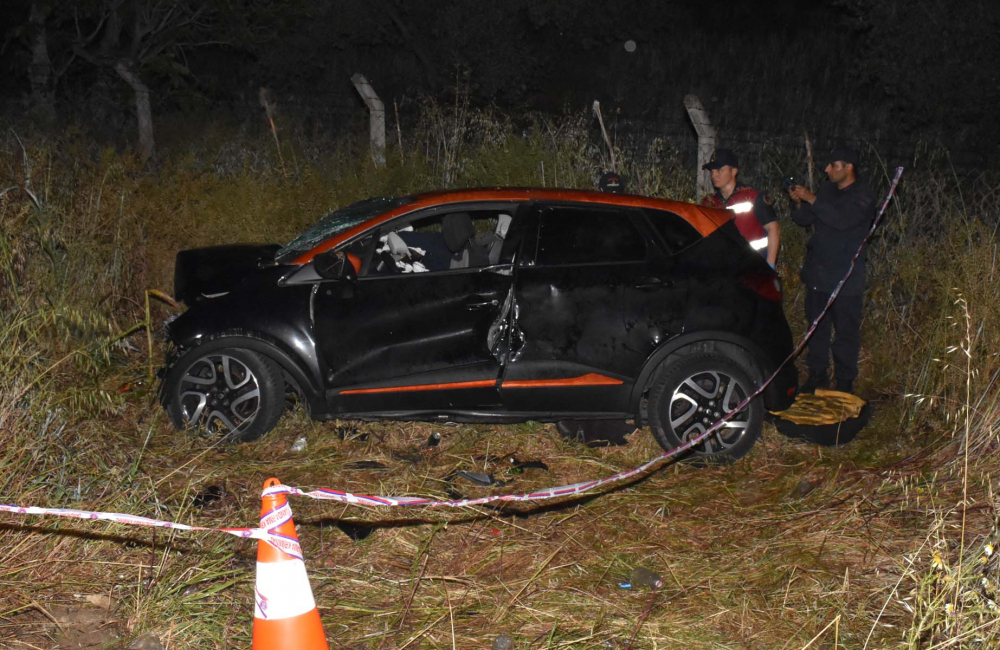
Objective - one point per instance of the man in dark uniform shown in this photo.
(755, 217)
(841, 213)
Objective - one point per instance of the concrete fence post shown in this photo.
(376, 110)
(706, 142)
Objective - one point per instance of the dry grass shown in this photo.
(794, 547)
(763, 554)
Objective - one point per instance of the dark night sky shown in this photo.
(766, 63)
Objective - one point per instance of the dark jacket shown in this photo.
(841, 219)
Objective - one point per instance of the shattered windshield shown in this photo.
(339, 221)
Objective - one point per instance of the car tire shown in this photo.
(689, 393)
(231, 393)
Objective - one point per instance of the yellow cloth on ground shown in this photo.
(822, 407)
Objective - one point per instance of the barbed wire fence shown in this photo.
(762, 151)
(322, 117)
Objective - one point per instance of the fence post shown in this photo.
(376, 110)
(706, 141)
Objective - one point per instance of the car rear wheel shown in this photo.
(690, 393)
(231, 393)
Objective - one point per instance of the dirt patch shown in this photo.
(88, 625)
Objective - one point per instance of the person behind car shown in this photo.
(611, 183)
(841, 213)
(755, 217)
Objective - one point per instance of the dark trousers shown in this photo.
(844, 316)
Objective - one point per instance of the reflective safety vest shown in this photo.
(741, 201)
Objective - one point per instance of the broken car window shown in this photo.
(442, 242)
(337, 222)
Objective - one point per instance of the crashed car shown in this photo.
(486, 305)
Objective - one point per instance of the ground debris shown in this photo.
(147, 642)
(503, 642)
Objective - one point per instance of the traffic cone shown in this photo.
(285, 615)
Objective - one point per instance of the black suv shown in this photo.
(487, 305)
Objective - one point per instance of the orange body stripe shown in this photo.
(590, 379)
(484, 383)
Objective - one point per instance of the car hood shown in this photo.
(201, 273)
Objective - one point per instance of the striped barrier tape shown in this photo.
(273, 520)
(280, 515)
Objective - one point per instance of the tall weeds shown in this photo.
(87, 230)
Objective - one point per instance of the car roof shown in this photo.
(705, 220)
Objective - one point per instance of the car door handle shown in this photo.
(653, 283)
(487, 304)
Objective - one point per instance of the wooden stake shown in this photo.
(265, 101)
(809, 155)
(399, 133)
(607, 140)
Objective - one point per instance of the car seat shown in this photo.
(459, 237)
(436, 254)
(493, 242)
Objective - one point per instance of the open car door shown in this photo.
(419, 331)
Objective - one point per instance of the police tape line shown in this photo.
(280, 515)
(269, 522)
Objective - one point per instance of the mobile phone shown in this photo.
(790, 182)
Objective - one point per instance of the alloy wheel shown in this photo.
(219, 394)
(701, 400)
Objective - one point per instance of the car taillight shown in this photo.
(765, 284)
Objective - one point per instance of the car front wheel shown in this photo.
(231, 393)
(690, 393)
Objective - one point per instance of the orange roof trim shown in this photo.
(705, 220)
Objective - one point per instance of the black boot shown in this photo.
(845, 385)
(815, 380)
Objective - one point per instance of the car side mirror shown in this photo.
(334, 265)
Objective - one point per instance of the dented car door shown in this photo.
(569, 334)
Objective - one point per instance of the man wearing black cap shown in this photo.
(841, 213)
(611, 182)
(755, 218)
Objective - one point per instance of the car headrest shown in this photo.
(503, 223)
(457, 230)
(397, 247)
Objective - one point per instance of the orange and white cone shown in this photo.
(285, 615)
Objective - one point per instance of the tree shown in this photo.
(40, 71)
(33, 37)
(132, 36)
